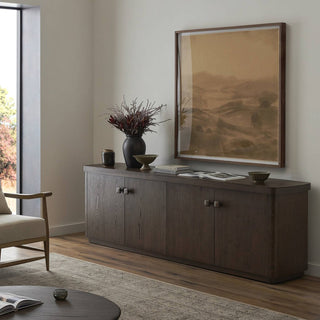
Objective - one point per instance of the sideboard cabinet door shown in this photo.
(190, 224)
(145, 215)
(243, 232)
(104, 209)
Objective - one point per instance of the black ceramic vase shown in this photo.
(131, 146)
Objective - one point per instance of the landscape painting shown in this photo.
(230, 94)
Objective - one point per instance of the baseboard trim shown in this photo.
(66, 229)
(313, 270)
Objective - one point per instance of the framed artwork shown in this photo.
(230, 94)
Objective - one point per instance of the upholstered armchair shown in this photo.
(19, 230)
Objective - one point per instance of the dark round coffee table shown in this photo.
(78, 305)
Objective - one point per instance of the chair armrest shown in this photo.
(28, 196)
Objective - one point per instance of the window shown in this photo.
(9, 100)
(24, 22)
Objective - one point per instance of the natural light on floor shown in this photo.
(8, 101)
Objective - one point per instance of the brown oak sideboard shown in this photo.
(236, 227)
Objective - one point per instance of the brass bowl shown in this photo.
(145, 160)
(259, 177)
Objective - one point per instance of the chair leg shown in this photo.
(46, 252)
(0, 254)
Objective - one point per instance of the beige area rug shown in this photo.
(138, 297)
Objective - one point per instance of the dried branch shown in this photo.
(136, 118)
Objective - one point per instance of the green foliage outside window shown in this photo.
(8, 136)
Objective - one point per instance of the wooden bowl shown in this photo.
(145, 160)
(259, 177)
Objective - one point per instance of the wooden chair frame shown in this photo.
(22, 243)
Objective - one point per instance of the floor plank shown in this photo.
(299, 297)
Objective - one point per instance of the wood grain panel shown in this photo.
(243, 232)
(104, 209)
(291, 238)
(145, 215)
(190, 225)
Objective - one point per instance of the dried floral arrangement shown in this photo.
(136, 118)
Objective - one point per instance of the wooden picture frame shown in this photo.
(230, 94)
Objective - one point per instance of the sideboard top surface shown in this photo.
(270, 186)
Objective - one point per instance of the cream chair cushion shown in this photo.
(17, 228)
(3, 203)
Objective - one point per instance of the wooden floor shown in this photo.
(299, 297)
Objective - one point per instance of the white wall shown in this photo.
(134, 55)
(66, 107)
